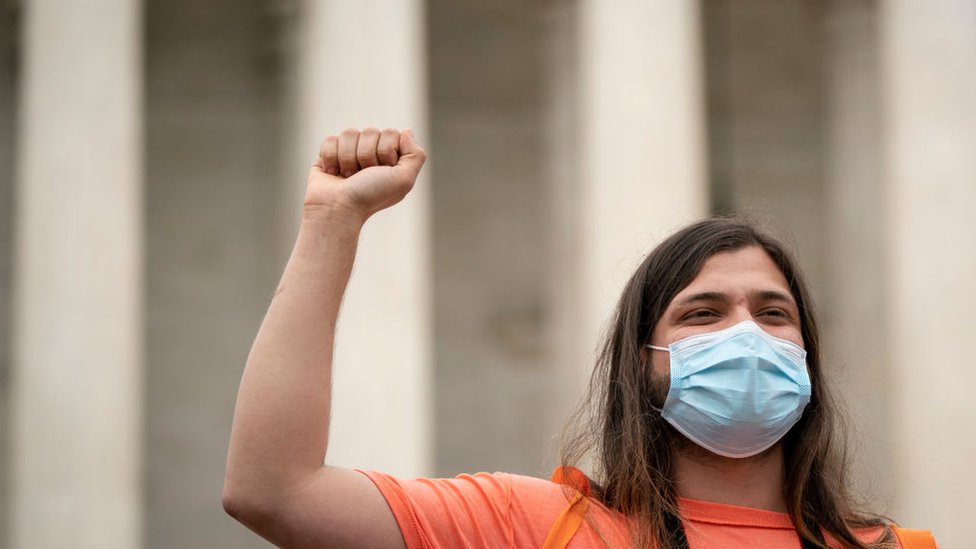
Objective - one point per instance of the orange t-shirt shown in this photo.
(503, 510)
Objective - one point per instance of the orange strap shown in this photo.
(914, 539)
(571, 476)
(568, 522)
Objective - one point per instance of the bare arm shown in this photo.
(275, 482)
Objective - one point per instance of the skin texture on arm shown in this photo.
(275, 481)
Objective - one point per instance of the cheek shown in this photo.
(789, 333)
(661, 365)
(659, 385)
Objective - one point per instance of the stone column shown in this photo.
(638, 157)
(363, 64)
(929, 76)
(76, 388)
(7, 115)
(855, 306)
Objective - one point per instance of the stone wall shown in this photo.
(212, 109)
(765, 118)
(8, 64)
(490, 223)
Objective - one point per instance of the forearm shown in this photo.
(281, 423)
(280, 430)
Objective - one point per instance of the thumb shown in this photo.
(412, 155)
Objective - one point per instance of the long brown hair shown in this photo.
(632, 445)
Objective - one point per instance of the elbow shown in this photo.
(255, 511)
(245, 506)
(232, 503)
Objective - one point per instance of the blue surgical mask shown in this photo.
(737, 391)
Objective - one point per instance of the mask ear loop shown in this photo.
(666, 350)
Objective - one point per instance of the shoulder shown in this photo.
(495, 488)
(914, 539)
(479, 510)
(536, 501)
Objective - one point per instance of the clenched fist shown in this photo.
(359, 173)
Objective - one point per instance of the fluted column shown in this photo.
(363, 64)
(929, 81)
(637, 157)
(77, 353)
(855, 304)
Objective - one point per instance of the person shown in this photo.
(709, 422)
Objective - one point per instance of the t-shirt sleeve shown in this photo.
(468, 511)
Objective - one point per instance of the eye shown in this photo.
(775, 313)
(700, 315)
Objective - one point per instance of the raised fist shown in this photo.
(363, 172)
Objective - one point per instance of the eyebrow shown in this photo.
(772, 295)
(704, 296)
(760, 295)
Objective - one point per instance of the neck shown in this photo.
(755, 482)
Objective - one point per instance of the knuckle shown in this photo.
(371, 132)
(349, 132)
(328, 143)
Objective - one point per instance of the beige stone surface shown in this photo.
(8, 55)
(489, 221)
(929, 81)
(642, 148)
(625, 122)
(766, 120)
(855, 303)
(77, 346)
(212, 121)
(569, 361)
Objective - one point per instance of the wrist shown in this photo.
(326, 237)
(332, 217)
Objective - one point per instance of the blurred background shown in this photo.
(152, 162)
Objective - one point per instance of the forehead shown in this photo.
(737, 272)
